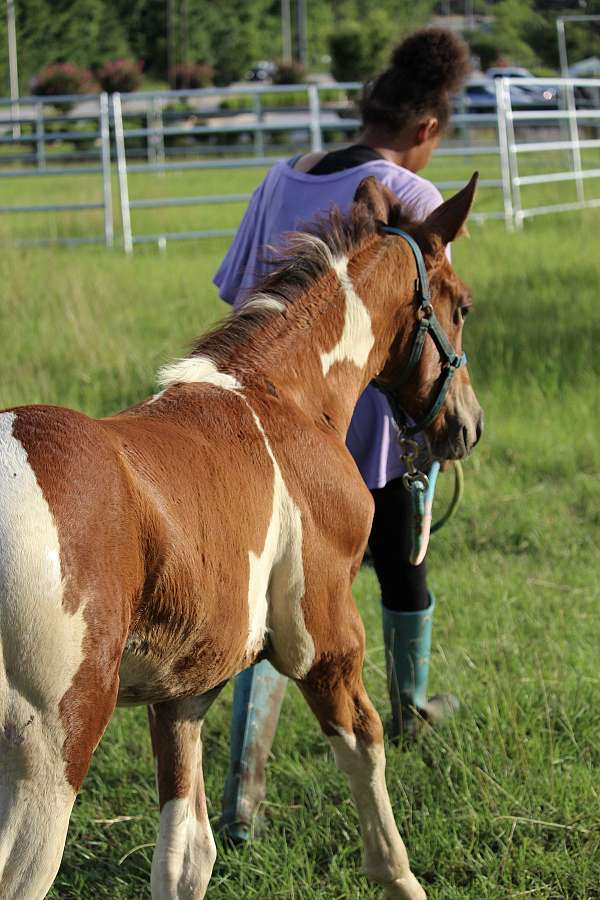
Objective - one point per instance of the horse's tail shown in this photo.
(38, 639)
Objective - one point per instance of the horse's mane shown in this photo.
(304, 258)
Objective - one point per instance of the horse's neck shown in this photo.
(335, 342)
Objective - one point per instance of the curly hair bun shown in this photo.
(434, 58)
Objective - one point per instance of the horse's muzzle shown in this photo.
(459, 436)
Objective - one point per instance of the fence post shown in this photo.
(106, 173)
(501, 116)
(513, 156)
(40, 142)
(122, 174)
(314, 108)
(155, 142)
(574, 139)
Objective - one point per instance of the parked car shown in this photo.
(479, 96)
(543, 96)
(262, 71)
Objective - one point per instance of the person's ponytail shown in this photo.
(425, 70)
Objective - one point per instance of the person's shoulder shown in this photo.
(413, 183)
(419, 195)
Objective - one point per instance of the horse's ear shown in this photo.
(378, 198)
(448, 220)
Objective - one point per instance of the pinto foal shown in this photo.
(150, 556)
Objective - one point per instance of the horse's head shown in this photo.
(425, 373)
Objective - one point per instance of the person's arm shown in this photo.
(233, 278)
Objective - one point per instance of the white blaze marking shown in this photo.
(357, 338)
(196, 369)
(40, 653)
(386, 860)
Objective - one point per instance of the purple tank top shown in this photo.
(285, 201)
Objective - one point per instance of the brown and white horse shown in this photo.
(150, 556)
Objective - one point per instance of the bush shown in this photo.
(193, 75)
(63, 78)
(289, 73)
(357, 53)
(122, 75)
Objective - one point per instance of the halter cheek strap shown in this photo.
(428, 324)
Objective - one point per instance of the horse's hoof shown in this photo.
(241, 832)
(407, 888)
(236, 834)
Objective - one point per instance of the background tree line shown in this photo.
(230, 35)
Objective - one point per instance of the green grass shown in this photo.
(505, 803)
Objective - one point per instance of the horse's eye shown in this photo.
(460, 314)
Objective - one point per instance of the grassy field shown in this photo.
(505, 803)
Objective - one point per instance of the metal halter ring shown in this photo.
(417, 481)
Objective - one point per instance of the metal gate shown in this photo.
(36, 115)
(558, 146)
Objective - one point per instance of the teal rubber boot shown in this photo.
(407, 641)
(257, 699)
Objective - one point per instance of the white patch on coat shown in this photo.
(41, 649)
(276, 583)
(185, 852)
(276, 579)
(196, 370)
(385, 857)
(357, 337)
(262, 301)
(184, 855)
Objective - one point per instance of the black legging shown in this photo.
(403, 587)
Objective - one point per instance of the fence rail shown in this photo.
(100, 135)
(164, 132)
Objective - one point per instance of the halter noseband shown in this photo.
(428, 324)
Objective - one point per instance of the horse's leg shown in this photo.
(46, 744)
(335, 692)
(185, 852)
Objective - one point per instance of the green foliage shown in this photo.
(360, 44)
(485, 46)
(356, 54)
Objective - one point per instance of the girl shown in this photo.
(404, 113)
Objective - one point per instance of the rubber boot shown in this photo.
(407, 641)
(257, 699)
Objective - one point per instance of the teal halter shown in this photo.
(428, 324)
